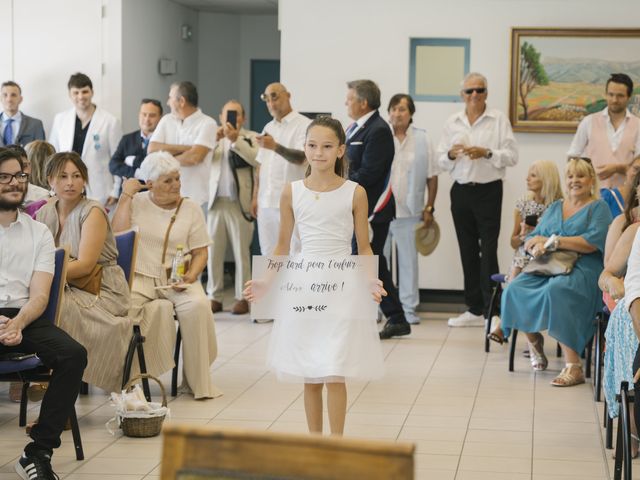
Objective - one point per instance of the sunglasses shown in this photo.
(479, 91)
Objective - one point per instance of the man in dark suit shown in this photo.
(132, 148)
(16, 127)
(370, 151)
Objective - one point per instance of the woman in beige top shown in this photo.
(151, 212)
(99, 322)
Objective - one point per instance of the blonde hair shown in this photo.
(583, 166)
(549, 175)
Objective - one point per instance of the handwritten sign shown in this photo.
(314, 286)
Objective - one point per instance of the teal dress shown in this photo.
(566, 305)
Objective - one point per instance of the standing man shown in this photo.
(92, 133)
(611, 137)
(230, 195)
(281, 158)
(26, 269)
(133, 146)
(370, 152)
(15, 126)
(476, 146)
(190, 136)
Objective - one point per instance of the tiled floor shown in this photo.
(469, 417)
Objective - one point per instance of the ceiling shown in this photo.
(233, 6)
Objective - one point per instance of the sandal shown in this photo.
(570, 375)
(538, 359)
(497, 336)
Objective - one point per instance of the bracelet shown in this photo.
(127, 195)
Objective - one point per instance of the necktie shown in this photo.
(145, 143)
(7, 138)
(350, 129)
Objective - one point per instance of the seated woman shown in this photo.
(166, 220)
(543, 188)
(620, 338)
(99, 322)
(563, 304)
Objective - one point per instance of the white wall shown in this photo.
(227, 44)
(325, 44)
(150, 31)
(45, 41)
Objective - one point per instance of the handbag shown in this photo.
(550, 264)
(91, 282)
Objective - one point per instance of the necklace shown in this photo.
(317, 193)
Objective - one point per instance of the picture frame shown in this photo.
(558, 75)
(436, 67)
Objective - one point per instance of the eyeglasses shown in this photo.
(479, 91)
(20, 177)
(273, 96)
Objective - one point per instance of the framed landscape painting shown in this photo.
(558, 75)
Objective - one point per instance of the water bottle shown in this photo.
(178, 266)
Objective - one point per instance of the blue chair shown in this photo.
(127, 244)
(32, 369)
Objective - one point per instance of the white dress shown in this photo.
(318, 350)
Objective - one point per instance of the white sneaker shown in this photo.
(467, 319)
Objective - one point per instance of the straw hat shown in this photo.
(427, 238)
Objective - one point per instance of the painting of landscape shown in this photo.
(558, 76)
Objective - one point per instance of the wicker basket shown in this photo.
(143, 427)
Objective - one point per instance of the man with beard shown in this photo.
(27, 265)
(611, 137)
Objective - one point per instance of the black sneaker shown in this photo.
(35, 467)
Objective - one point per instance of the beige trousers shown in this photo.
(153, 309)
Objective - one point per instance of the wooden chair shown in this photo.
(204, 453)
(127, 243)
(32, 369)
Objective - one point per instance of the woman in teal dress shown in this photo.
(565, 305)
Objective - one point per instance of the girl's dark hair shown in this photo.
(631, 202)
(341, 166)
(397, 98)
(57, 162)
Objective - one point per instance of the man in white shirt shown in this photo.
(92, 133)
(231, 190)
(190, 136)
(26, 272)
(611, 137)
(476, 146)
(16, 127)
(281, 158)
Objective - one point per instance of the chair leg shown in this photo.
(142, 362)
(558, 350)
(588, 351)
(512, 348)
(128, 360)
(75, 432)
(176, 358)
(597, 378)
(608, 443)
(626, 430)
(490, 312)
(22, 418)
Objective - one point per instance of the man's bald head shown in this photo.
(278, 100)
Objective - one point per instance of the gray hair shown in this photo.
(366, 90)
(157, 164)
(473, 76)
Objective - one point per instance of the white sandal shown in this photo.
(570, 375)
(538, 359)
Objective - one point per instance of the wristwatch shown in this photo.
(429, 208)
(489, 153)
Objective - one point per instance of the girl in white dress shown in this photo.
(326, 209)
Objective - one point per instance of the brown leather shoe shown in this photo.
(240, 307)
(216, 306)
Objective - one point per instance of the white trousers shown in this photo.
(226, 222)
(403, 233)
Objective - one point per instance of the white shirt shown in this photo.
(581, 138)
(35, 193)
(15, 126)
(26, 246)
(196, 129)
(226, 183)
(405, 155)
(492, 130)
(275, 170)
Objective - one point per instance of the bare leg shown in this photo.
(313, 406)
(337, 406)
(570, 356)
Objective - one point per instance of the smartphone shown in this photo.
(232, 118)
(531, 220)
(143, 183)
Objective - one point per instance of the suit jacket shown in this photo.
(246, 147)
(30, 129)
(130, 144)
(370, 152)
